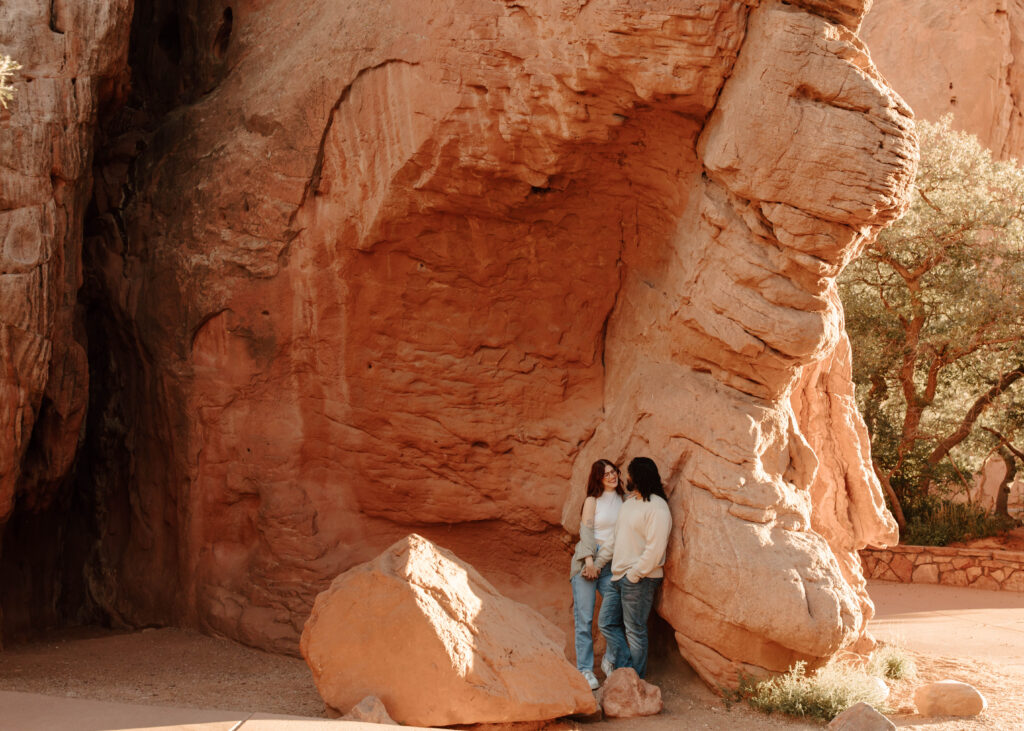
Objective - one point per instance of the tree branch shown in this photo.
(967, 423)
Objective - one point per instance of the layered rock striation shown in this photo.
(746, 321)
(387, 270)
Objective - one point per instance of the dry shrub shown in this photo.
(823, 694)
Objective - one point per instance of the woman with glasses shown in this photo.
(589, 575)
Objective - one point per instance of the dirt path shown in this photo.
(180, 668)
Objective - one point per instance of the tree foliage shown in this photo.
(935, 313)
(7, 68)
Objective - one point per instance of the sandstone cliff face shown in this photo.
(72, 56)
(384, 270)
(959, 57)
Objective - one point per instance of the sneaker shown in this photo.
(591, 678)
(607, 666)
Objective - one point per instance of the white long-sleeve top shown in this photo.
(641, 536)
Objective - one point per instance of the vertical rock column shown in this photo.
(806, 155)
(70, 53)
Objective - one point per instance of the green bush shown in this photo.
(935, 521)
(824, 694)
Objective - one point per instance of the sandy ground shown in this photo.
(976, 636)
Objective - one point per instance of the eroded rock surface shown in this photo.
(387, 269)
(433, 640)
(728, 334)
(72, 56)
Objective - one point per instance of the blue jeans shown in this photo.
(629, 619)
(584, 599)
(609, 621)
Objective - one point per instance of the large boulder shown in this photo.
(433, 640)
(744, 316)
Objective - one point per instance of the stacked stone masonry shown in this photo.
(970, 567)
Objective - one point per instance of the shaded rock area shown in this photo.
(437, 644)
(352, 270)
(73, 59)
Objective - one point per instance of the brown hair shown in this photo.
(595, 484)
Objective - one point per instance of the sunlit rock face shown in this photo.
(360, 268)
(958, 58)
(745, 317)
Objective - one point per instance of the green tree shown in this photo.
(935, 312)
(7, 69)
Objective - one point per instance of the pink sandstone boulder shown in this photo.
(437, 644)
(949, 698)
(847, 507)
(625, 695)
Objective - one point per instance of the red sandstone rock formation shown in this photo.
(727, 332)
(72, 56)
(374, 269)
(429, 636)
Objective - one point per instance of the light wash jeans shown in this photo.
(627, 618)
(584, 599)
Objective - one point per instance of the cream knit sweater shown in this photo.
(641, 536)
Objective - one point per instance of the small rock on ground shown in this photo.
(949, 698)
(625, 695)
(370, 709)
(861, 717)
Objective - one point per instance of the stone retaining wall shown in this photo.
(973, 567)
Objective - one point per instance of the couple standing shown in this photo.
(621, 551)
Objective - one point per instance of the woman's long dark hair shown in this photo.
(595, 485)
(644, 478)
